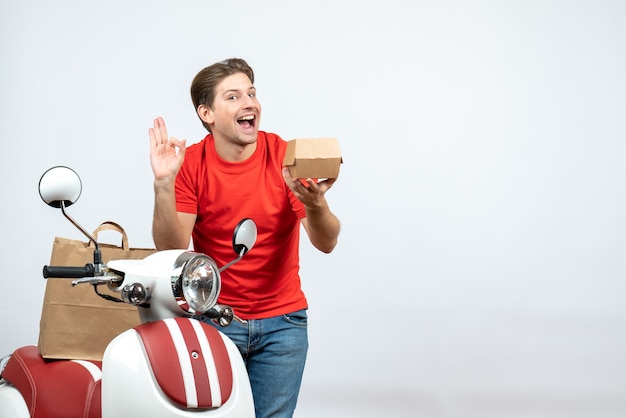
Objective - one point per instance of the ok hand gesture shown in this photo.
(166, 154)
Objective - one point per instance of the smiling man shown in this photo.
(203, 191)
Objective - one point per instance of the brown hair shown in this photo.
(204, 83)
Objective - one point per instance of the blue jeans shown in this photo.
(274, 350)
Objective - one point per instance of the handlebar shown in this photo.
(69, 272)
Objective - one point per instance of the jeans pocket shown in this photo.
(297, 318)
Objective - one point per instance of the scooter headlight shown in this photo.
(196, 282)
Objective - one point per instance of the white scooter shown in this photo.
(169, 366)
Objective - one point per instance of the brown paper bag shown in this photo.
(76, 323)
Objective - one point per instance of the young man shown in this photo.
(236, 172)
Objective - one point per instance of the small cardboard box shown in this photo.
(316, 158)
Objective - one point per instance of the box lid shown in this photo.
(313, 157)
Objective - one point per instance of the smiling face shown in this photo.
(234, 116)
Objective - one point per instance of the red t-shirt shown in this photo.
(265, 282)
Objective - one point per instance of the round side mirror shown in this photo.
(60, 184)
(244, 236)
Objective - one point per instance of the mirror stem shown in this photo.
(97, 256)
(224, 267)
(243, 252)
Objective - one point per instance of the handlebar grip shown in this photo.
(69, 272)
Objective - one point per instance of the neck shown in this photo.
(234, 151)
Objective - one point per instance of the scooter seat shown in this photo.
(55, 388)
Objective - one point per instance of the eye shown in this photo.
(233, 97)
(252, 95)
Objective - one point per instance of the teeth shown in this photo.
(249, 117)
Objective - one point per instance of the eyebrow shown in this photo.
(238, 90)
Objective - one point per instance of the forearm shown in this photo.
(166, 230)
(322, 227)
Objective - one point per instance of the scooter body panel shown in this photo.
(12, 403)
(129, 386)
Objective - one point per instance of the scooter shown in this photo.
(171, 365)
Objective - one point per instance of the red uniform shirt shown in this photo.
(265, 282)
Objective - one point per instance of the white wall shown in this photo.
(481, 266)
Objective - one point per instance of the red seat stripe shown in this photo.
(200, 374)
(161, 339)
(222, 361)
(162, 355)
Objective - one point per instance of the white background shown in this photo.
(480, 270)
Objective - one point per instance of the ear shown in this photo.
(206, 114)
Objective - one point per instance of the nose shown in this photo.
(248, 101)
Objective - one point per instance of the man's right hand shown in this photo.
(166, 154)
